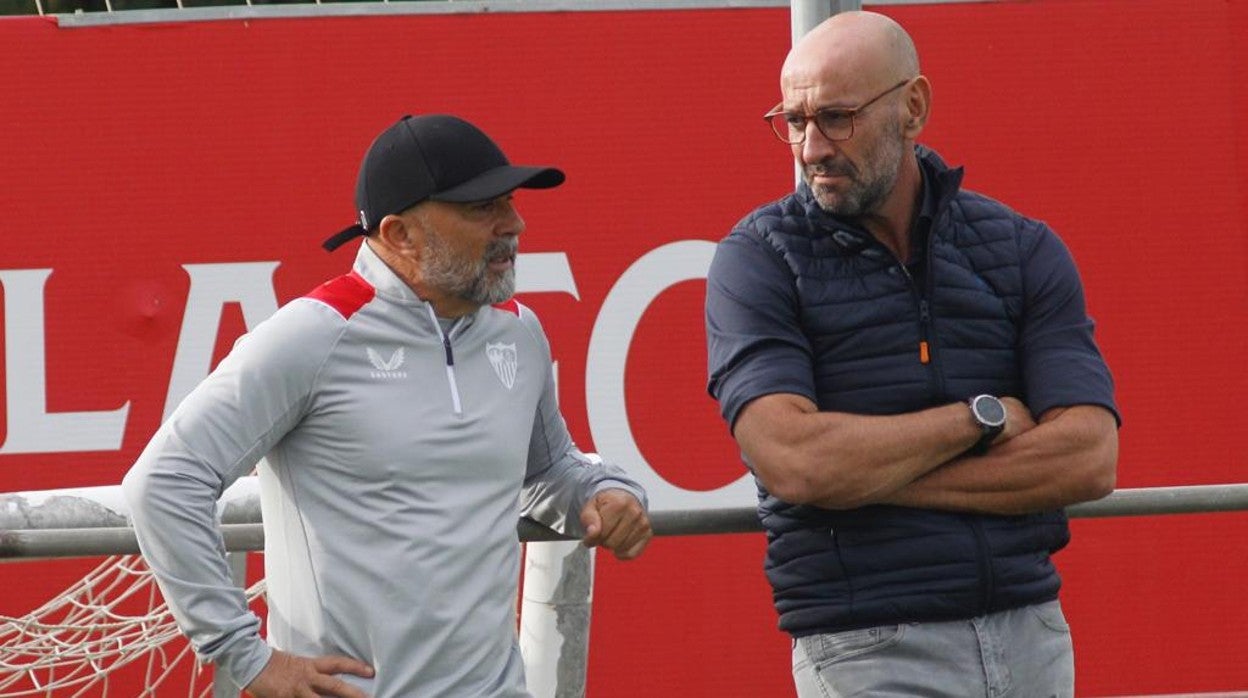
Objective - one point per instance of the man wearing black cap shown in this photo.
(406, 416)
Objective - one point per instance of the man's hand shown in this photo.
(615, 520)
(1018, 420)
(291, 676)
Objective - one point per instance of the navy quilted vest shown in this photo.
(866, 317)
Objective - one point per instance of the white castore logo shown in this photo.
(387, 368)
(503, 359)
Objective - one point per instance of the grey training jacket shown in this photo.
(396, 462)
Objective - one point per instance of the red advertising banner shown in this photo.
(165, 186)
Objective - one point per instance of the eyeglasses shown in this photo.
(834, 124)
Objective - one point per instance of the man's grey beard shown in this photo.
(868, 190)
(469, 280)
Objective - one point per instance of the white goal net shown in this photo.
(109, 624)
(111, 634)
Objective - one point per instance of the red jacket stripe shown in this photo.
(510, 305)
(346, 294)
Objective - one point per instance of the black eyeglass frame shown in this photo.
(835, 112)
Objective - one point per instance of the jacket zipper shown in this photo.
(921, 296)
(985, 565)
(925, 309)
(925, 319)
(450, 357)
(925, 315)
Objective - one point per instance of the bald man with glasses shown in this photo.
(909, 370)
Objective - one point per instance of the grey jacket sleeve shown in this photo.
(560, 479)
(216, 435)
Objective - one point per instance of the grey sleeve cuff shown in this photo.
(626, 485)
(243, 661)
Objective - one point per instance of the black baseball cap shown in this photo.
(433, 156)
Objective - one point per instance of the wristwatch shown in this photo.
(989, 414)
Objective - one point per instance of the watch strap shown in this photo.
(989, 431)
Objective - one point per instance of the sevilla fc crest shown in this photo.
(503, 359)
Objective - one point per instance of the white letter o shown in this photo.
(621, 312)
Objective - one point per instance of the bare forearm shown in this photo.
(1069, 457)
(839, 460)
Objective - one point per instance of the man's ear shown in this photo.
(398, 233)
(918, 107)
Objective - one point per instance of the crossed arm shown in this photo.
(838, 460)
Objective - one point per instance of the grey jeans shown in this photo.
(1025, 652)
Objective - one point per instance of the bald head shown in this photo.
(851, 52)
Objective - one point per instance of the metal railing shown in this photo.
(58, 527)
(558, 571)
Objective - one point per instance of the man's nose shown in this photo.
(512, 223)
(816, 147)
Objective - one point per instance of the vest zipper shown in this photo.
(985, 565)
(925, 315)
(925, 318)
(450, 357)
(925, 311)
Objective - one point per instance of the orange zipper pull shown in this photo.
(924, 355)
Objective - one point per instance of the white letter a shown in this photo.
(250, 284)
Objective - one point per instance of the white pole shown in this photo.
(554, 618)
(805, 15)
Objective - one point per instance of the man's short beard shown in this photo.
(468, 280)
(868, 190)
(860, 198)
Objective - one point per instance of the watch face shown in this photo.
(990, 410)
